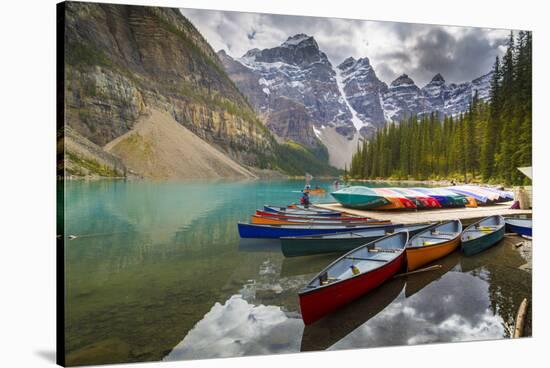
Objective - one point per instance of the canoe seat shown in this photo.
(383, 250)
(429, 240)
(365, 259)
(448, 237)
(364, 265)
(442, 233)
(477, 230)
(329, 280)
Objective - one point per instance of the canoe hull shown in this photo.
(301, 212)
(321, 246)
(472, 203)
(317, 303)
(474, 246)
(275, 232)
(305, 246)
(293, 217)
(450, 199)
(521, 230)
(420, 256)
(360, 200)
(395, 204)
(256, 219)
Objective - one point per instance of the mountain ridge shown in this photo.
(348, 98)
(124, 62)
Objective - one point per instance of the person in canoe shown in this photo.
(304, 199)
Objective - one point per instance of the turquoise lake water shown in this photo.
(157, 272)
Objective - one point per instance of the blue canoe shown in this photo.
(504, 195)
(479, 197)
(445, 197)
(520, 226)
(278, 231)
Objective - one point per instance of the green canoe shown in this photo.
(359, 197)
(482, 235)
(293, 246)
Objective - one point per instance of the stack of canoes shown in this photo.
(277, 222)
(445, 197)
(483, 195)
(360, 197)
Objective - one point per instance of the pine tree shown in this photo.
(490, 139)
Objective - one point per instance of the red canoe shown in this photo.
(353, 275)
(293, 217)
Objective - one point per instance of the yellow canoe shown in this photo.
(471, 202)
(433, 244)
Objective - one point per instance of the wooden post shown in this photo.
(520, 319)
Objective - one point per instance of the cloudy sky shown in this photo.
(458, 53)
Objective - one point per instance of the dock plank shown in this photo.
(443, 214)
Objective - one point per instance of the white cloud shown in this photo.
(459, 53)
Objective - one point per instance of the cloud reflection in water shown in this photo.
(238, 328)
(455, 307)
(444, 311)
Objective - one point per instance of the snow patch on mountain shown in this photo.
(317, 132)
(357, 123)
(296, 40)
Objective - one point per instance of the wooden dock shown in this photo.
(444, 214)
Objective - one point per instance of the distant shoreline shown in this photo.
(410, 181)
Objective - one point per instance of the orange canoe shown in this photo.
(471, 202)
(394, 205)
(433, 244)
(397, 200)
(315, 191)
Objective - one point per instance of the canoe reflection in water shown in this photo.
(259, 245)
(332, 328)
(335, 326)
(418, 281)
(421, 308)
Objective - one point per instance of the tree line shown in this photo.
(486, 143)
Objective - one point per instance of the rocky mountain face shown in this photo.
(454, 99)
(301, 96)
(298, 71)
(363, 92)
(122, 61)
(404, 99)
(286, 117)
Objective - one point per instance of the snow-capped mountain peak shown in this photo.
(300, 39)
(403, 80)
(301, 96)
(403, 99)
(362, 90)
(438, 79)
